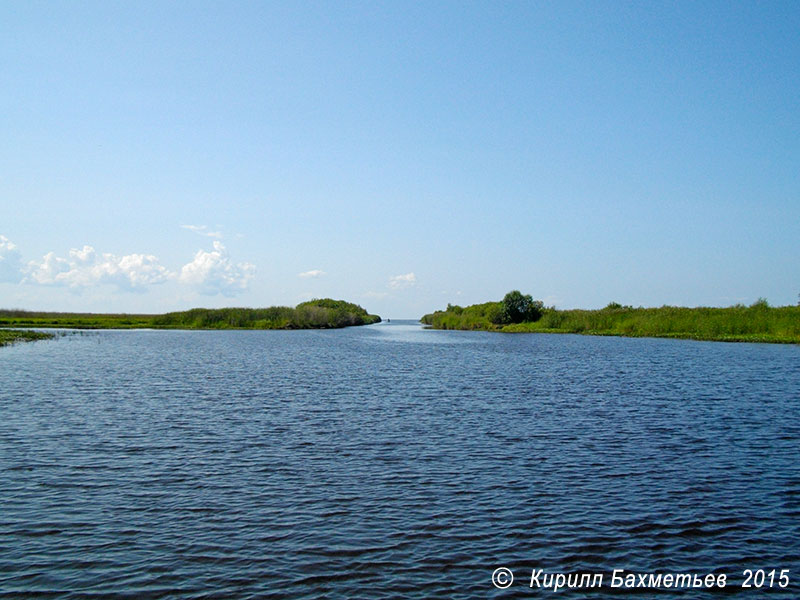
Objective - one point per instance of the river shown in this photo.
(391, 461)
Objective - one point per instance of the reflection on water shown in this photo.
(412, 332)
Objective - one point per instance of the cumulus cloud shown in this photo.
(11, 268)
(213, 272)
(312, 273)
(398, 282)
(203, 230)
(85, 267)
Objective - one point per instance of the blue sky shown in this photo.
(164, 155)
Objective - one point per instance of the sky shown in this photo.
(158, 156)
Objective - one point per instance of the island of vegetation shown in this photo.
(11, 336)
(314, 314)
(519, 313)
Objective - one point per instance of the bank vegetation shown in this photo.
(12, 336)
(325, 313)
(757, 322)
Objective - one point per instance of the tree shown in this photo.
(495, 313)
(518, 308)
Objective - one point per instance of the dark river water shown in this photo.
(391, 461)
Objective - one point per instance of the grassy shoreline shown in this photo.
(758, 323)
(315, 314)
(12, 336)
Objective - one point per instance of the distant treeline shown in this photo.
(314, 314)
(758, 322)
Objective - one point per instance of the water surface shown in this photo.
(390, 461)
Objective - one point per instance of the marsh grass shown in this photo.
(314, 314)
(24, 318)
(756, 323)
(12, 336)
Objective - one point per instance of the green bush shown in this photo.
(518, 308)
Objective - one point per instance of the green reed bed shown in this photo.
(758, 322)
(11, 336)
(23, 318)
(314, 314)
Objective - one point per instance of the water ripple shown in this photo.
(389, 462)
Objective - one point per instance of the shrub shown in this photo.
(518, 308)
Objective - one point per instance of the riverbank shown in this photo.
(758, 322)
(315, 314)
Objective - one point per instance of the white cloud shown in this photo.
(84, 268)
(398, 282)
(10, 261)
(203, 230)
(213, 272)
(48, 271)
(312, 273)
(209, 272)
